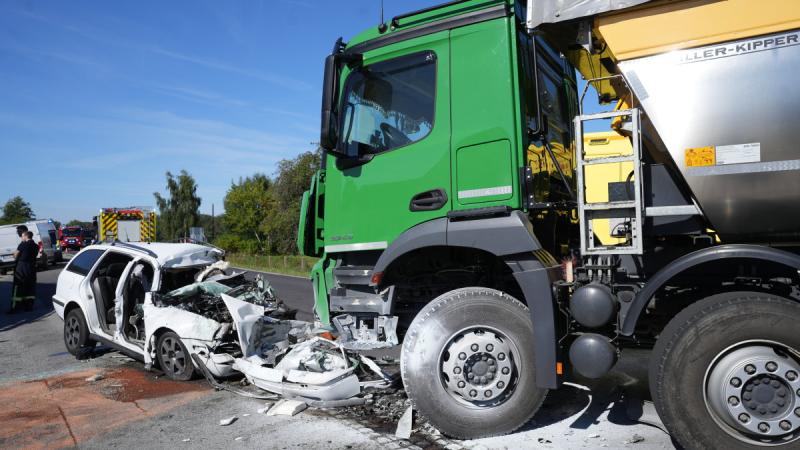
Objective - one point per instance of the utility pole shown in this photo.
(213, 235)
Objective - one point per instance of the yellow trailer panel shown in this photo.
(598, 176)
(666, 26)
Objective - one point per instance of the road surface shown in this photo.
(48, 402)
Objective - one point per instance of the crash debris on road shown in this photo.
(227, 421)
(290, 358)
(287, 408)
(250, 332)
(404, 425)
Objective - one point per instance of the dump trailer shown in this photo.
(131, 224)
(455, 210)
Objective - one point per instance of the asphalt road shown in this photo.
(48, 402)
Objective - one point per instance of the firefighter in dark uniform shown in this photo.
(25, 274)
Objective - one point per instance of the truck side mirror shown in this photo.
(327, 138)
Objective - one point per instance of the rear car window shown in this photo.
(83, 262)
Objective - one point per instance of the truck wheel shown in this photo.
(468, 363)
(76, 334)
(173, 357)
(725, 373)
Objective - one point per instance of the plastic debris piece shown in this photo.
(95, 377)
(245, 415)
(238, 438)
(227, 421)
(635, 439)
(594, 435)
(404, 425)
(287, 408)
(185, 440)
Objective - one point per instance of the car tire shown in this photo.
(173, 357)
(447, 359)
(77, 339)
(709, 359)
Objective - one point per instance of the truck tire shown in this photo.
(173, 357)
(76, 334)
(468, 363)
(725, 373)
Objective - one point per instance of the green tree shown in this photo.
(292, 180)
(261, 215)
(248, 204)
(17, 210)
(79, 223)
(180, 209)
(213, 226)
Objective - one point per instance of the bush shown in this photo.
(232, 243)
(286, 264)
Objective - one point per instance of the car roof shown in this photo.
(29, 224)
(168, 254)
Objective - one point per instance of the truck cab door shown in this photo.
(393, 167)
(310, 227)
(551, 94)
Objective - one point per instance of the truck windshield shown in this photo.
(388, 104)
(71, 232)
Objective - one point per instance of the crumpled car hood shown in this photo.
(198, 257)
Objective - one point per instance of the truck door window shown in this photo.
(530, 108)
(388, 104)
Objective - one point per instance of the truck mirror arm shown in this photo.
(348, 162)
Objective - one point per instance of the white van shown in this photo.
(44, 234)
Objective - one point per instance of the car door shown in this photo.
(119, 301)
(86, 292)
(71, 281)
(46, 240)
(394, 116)
(8, 243)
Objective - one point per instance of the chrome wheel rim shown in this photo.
(478, 367)
(752, 391)
(172, 356)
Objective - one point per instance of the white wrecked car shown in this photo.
(158, 302)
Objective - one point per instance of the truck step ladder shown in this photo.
(631, 210)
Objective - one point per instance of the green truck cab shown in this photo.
(451, 211)
(447, 139)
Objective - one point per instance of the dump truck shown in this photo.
(129, 224)
(451, 212)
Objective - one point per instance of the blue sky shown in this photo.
(99, 99)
